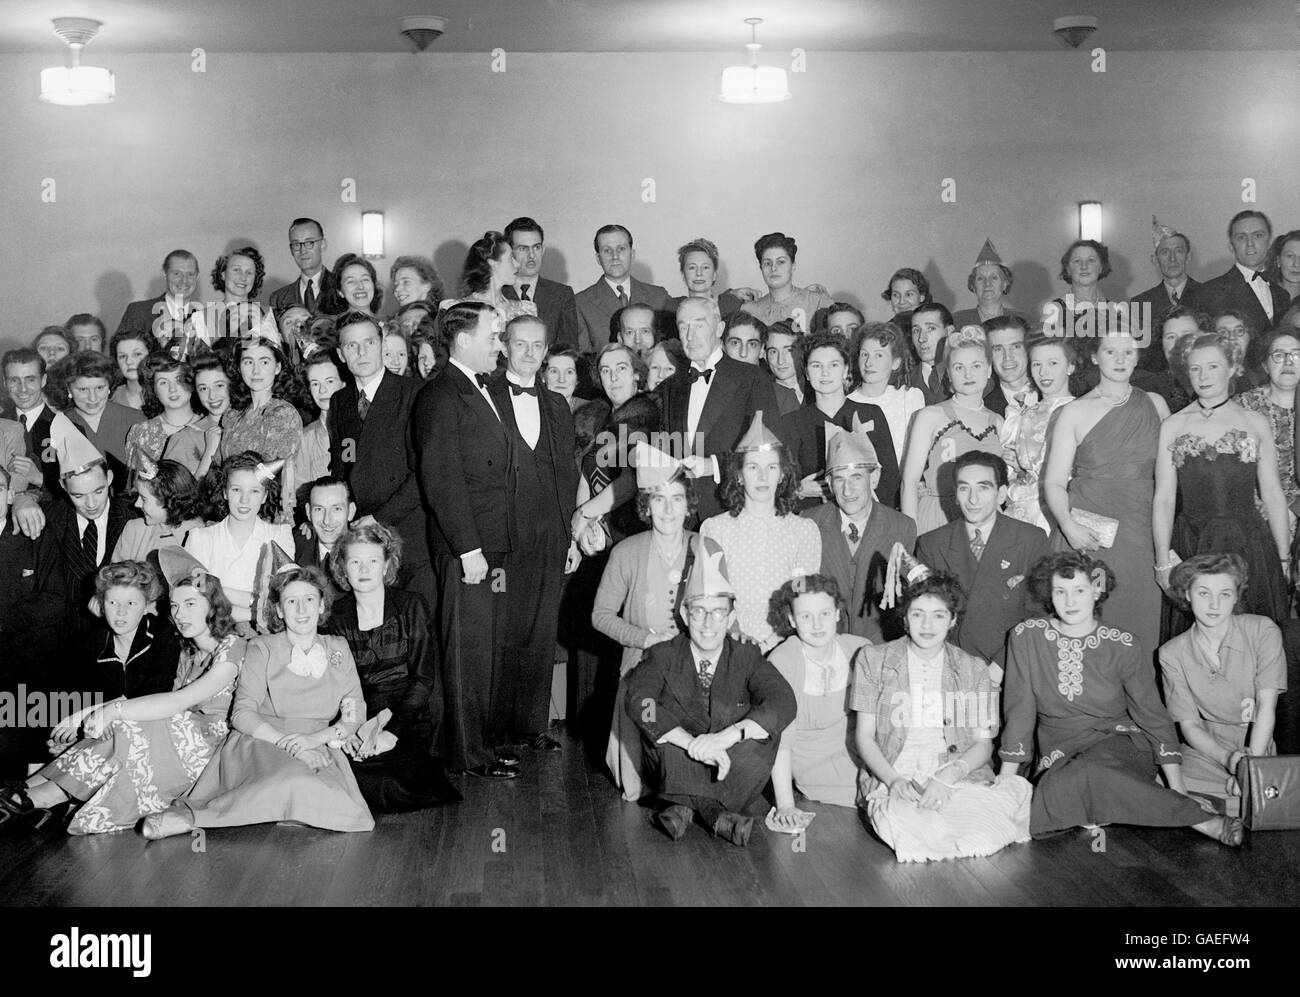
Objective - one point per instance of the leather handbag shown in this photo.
(1270, 792)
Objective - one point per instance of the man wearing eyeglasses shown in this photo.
(314, 285)
(711, 710)
(175, 305)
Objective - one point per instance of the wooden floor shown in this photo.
(561, 835)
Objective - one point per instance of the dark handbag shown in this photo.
(1270, 792)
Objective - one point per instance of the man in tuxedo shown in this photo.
(44, 429)
(314, 285)
(181, 272)
(1245, 288)
(1170, 253)
(858, 532)
(329, 511)
(1012, 391)
(990, 554)
(931, 324)
(711, 709)
(615, 289)
(708, 406)
(555, 302)
(372, 449)
(466, 467)
(637, 329)
(545, 492)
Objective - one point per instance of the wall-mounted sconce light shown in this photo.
(372, 234)
(1090, 220)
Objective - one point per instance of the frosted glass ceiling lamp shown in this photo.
(76, 84)
(754, 84)
(1090, 220)
(372, 234)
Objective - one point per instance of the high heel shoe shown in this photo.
(167, 824)
(1233, 832)
(18, 814)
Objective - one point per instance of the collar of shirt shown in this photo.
(514, 378)
(313, 280)
(1248, 274)
(101, 522)
(531, 283)
(1171, 289)
(710, 363)
(984, 528)
(1233, 639)
(32, 413)
(322, 552)
(625, 284)
(1029, 391)
(697, 657)
(175, 305)
(846, 519)
(472, 375)
(369, 389)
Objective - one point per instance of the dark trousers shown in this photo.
(680, 779)
(472, 628)
(534, 576)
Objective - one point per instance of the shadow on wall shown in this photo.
(112, 295)
(449, 261)
(1033, 287)
(939, 289)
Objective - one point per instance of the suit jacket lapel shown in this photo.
(70, 541)
(470, 393)
(717, 401)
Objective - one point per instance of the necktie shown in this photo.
(1175, 297)
(309, 298)
(523, 293)
(90, 542)
(363, 405)
(854, 535)
(977, 545)
(325, 565)
(695, 374)
(622, 297)
(706, 677)
(519, 389)
(22, 417)
(483, 379)
(1020, 397)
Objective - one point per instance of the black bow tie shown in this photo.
(483, 379)
(695, 374)
(519, 389)
(1258, 276)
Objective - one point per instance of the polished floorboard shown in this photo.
(561, 835)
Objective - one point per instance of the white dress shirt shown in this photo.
(482, 390)
(313, 282)
(369, 390)
(625, 284)
(101, 532)
(528, 416)
(1259, 287)
(695, 406)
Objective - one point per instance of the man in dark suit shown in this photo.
(929, 326)
(545, 492)
(84, 526)
(990, 554)
(181, 272)
(314, 285)
(43, 427)
(466, 467)
(858, 532)
(1245, 287)
(555, 301)
(372, 449)
(616, 288)
(1011, 389)
(708, 406)
(1171, 253)
(711, 709)
(330, 510)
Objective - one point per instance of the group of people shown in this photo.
(308, 561)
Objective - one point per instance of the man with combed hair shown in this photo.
(1171, 253)
(1245, 287)
(314, 284)
(555, 301)
(176, 305)
(616, 288)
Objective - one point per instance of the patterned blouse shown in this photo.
(1283, 422)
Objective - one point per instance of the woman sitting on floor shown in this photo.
(298, 700)
(1086, 694)
(1222, 677)
(141, 754)
(815, 659)
(927, 713)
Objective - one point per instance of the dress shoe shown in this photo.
(674, 821)
(508, 757)
(496, 770)
(734, 828)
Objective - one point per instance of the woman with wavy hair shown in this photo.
(266, 423)
(174, 429)
(238, 276)
(489, 266)
(358, 288)
(167, 495)
(415, 281)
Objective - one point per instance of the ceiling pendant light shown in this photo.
(754, 84)
(76, 84)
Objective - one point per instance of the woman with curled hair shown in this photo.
(815, 659)
(1238, 327)
(53, 344)
(1024, 440)
(489, 266)
(173, 430)
(990, 281)
(906, 290)
(81, 386)
(298, 699)
(697, 262)
(1222, 677)
(560, 374)
(1283, 264)
(941, 433)
(880, 357)
(141, 754)
(128, 350)
(1084, 310)
(1085, 693)
(927, 712)
(765, 540)
(167, 495)
(238, 277)
(322, 375)
(1213, 457)
(640, 591)
(415, 281)
(357, 286)
(665, 360)
(389, 633)
(1275, 400)
(430, 351)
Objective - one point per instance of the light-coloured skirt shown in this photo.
(980, 819)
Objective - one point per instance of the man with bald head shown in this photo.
(709, 405)
(636, 329)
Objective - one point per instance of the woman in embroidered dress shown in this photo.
(926, 715)
(1086, 694)
(264, 421)
(941, 433)
(141, 754)
(1214, 455)
(1276, 400)
(298, 701)
(173, 429)
(765, 540)
(1024, 443)
(1222, 677)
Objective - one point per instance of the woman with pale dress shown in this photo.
(636, 603)
(1275, 399)
(298, 702)
(321, 372)
(941, 433)
(173, 429)
(1051, 362)
(167, 495)
(140, 755)
(816, 660)
(1101, 463)
(1222, 677)
(490, 266)
(882, 359)
(926, 715)
(765, 541)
